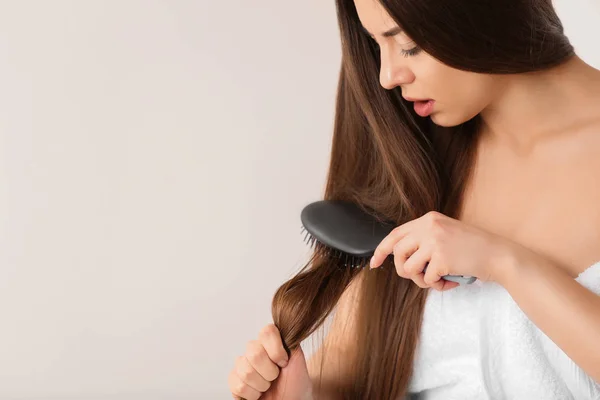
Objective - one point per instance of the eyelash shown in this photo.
(411, 52)
(406, 53)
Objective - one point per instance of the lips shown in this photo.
(424, 108)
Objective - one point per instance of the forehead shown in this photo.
(373, 17)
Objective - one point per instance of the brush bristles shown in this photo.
(325, 250)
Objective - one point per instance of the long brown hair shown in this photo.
(385, 158)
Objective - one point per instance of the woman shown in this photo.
(475, 126)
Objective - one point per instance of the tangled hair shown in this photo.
(387, 159)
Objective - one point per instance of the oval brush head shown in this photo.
(343, 230)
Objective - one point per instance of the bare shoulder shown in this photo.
(575, 149)
(575, 185)
(584, 148)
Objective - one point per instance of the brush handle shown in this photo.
(461, 279)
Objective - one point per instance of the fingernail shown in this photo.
(371, 263)
(283, 364)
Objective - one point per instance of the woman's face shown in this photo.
(458, 95)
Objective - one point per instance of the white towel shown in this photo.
(477, 343)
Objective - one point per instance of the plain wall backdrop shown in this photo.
(155, 157)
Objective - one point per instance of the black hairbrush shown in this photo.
(343, 230)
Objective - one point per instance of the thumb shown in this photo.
(293, 382)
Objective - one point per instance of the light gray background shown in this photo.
(155, 156)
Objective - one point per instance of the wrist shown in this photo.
(509, 265)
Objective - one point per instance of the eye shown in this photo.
(406, 53)
(411, 52)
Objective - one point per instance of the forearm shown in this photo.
(567, 312)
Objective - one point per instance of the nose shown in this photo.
(394, 72)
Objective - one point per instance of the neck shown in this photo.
(533, 107)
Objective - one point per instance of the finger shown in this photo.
(417, 262)
(240, 389)
(259, 359)
(386, 246)
(294, 381)
(403, 251)
(418, 279)
(432, 278)
(449, 285)
(270, 338)
(414, 266)
(250, 376)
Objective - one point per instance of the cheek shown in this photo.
(477, 90)
(460, 95)
(456, 107)
(466, 96)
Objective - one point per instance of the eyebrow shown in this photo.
(389, 33)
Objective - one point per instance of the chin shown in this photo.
(441, 119)
(447, 120)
